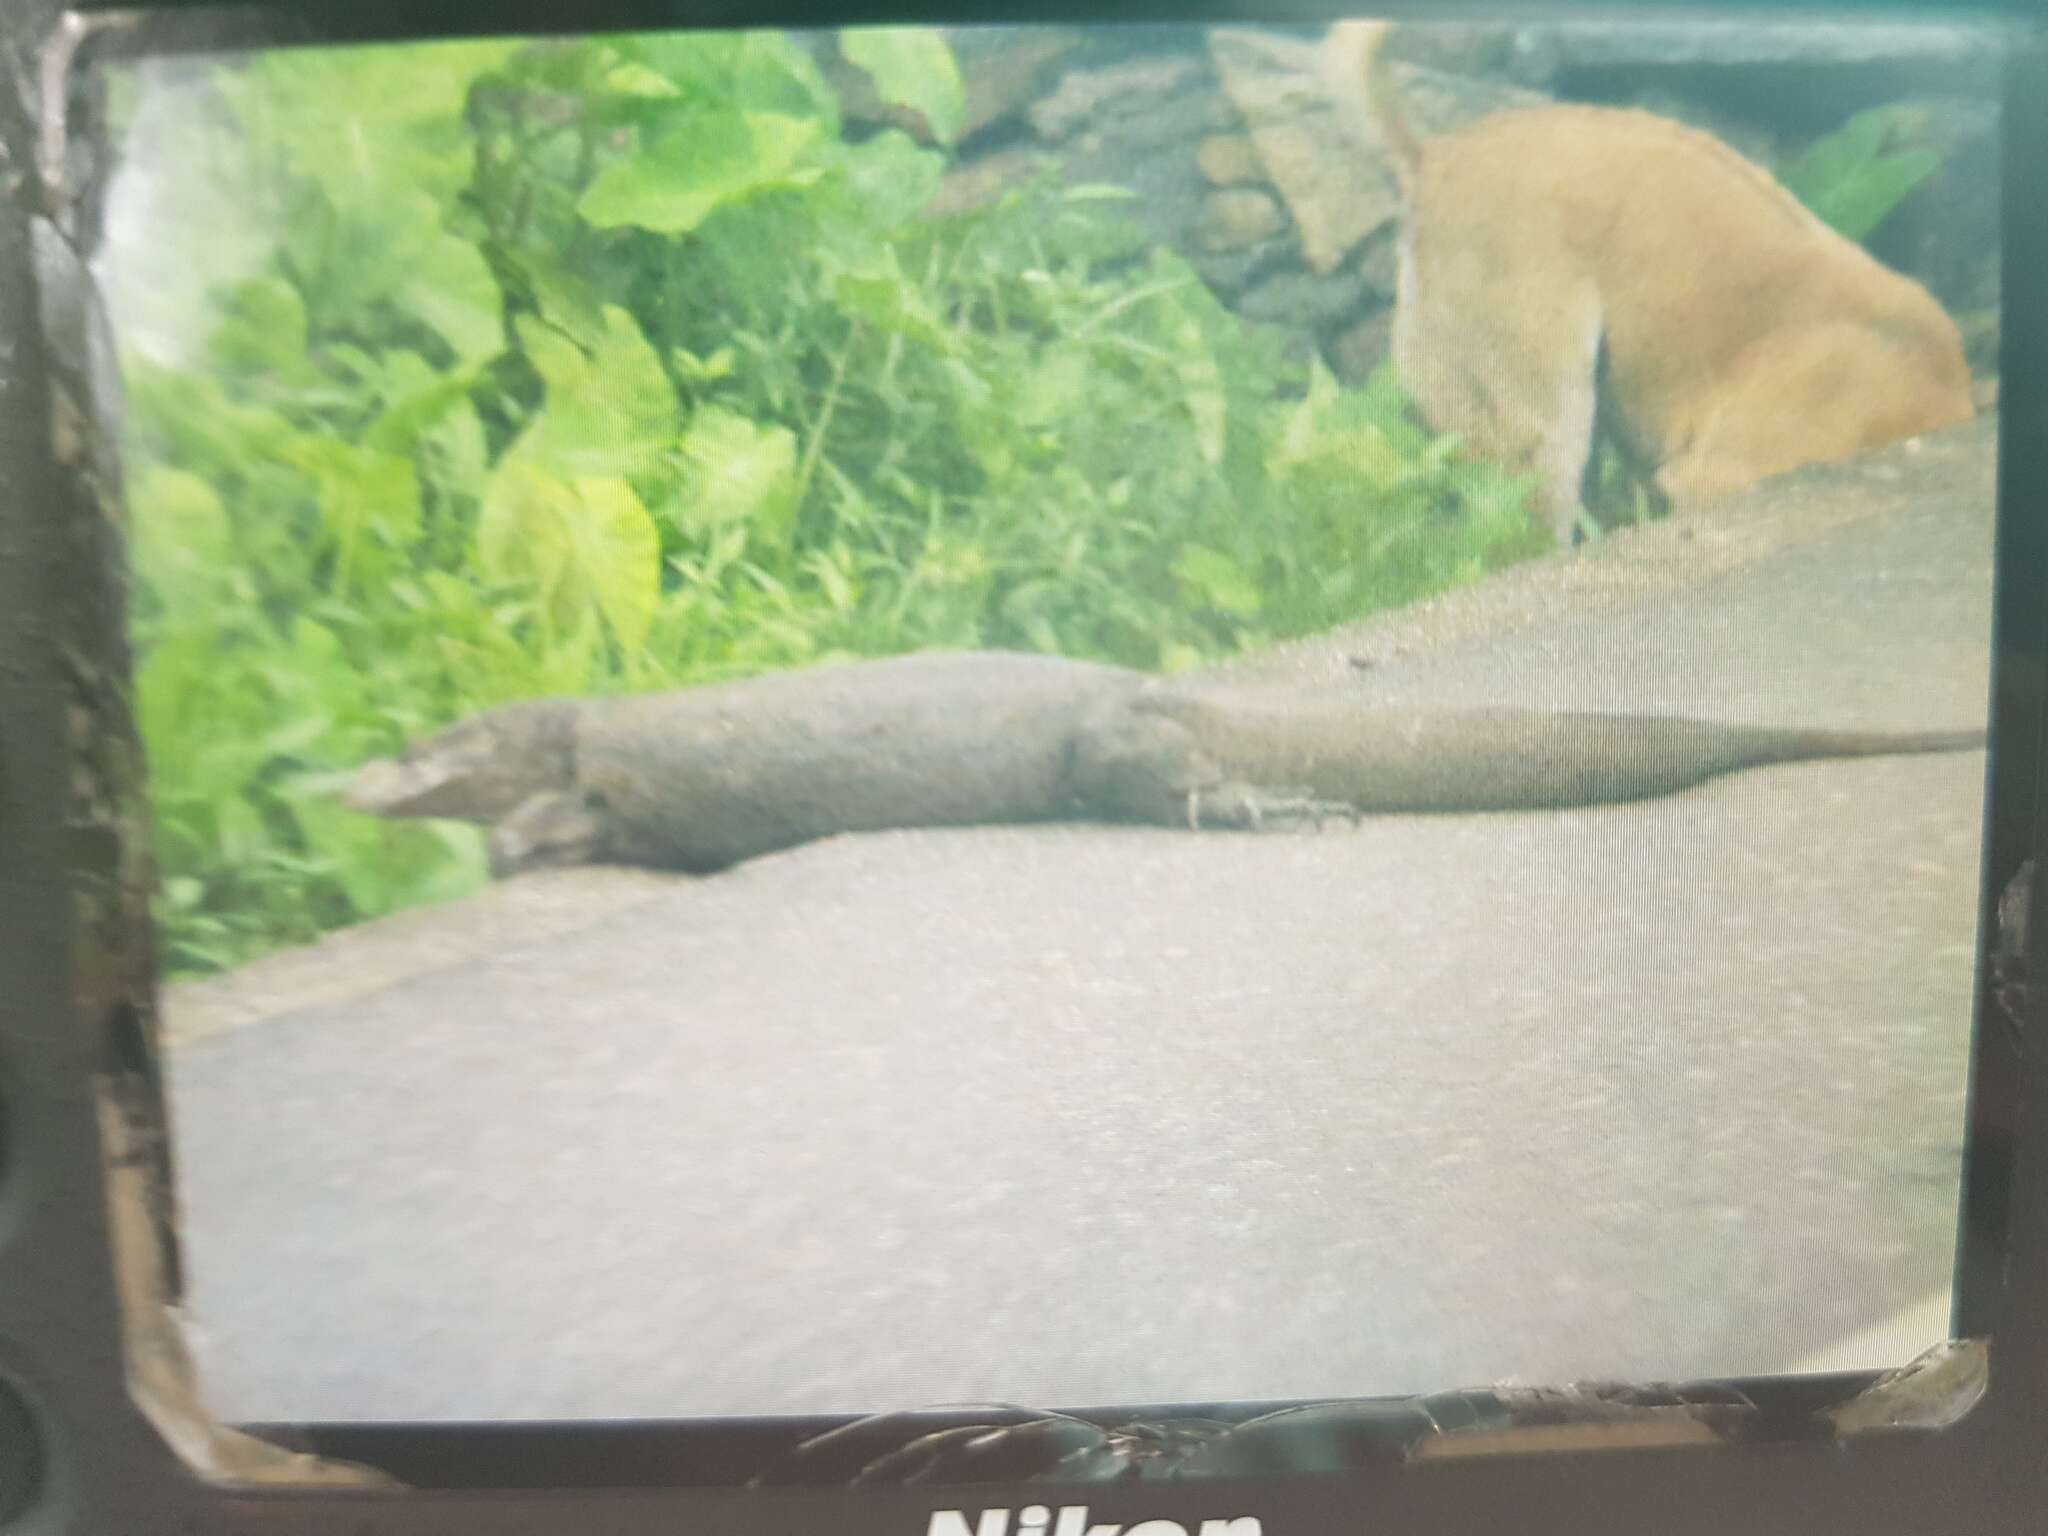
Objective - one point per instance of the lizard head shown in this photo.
(480, 770)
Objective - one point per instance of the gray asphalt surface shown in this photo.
(1079, 1115)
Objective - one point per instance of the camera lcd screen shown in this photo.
(1067, 715)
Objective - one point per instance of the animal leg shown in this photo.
(1518, 382)
(1567, 443)
(1135, 765)
(556, 828)
(1253, 808)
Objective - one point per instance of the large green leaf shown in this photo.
(522, 527)
(262, 330)
(1850, 180)
(737, 471)
(366, 150)
(756, 71)
(716, 156)
(565, 299)
(348, 256)
(609, 410)
(889, 179)
(618, 551)
(369, 505)
(586, 546)
(416, 400)
(354, 119)
(641, 82)
(450, 289)
(1839, 155)
(912, 67)
(1856, 207)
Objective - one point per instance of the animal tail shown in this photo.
(1885, 744)
(1792, 746)
(1354, 53)
(1607, 759)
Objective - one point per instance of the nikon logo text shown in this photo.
(1072, 1520)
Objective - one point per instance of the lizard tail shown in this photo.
(1355, 52)
(1793, 745)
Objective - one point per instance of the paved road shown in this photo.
(1079, 1115)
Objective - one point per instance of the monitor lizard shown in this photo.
(702, 778)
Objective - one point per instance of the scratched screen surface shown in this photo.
(1295, 991)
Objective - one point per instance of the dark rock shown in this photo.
(1092, 99)
(1236, 217)
(1133, 125)
(980, 181)
(1302, 298)
(1375, 263)
(1361, 347)
(1227, 160)
(1337, 191)
(1229, 273)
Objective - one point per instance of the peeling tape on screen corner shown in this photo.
(1011, 1444)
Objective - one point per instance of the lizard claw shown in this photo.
(1248, 808)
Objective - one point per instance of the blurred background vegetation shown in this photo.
(613, 364)
(574, 367)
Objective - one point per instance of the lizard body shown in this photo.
(705, 777)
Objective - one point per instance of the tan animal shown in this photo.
(1551, 252)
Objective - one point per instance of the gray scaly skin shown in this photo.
(709, 776)
(706, 777)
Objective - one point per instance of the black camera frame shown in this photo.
(99, 1430)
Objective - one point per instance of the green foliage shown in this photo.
(1853, 178)
(614, 364)
(712, 158)
(913, 68)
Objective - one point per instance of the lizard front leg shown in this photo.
(554, 828)
(1256, 808)
(1136, 765)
